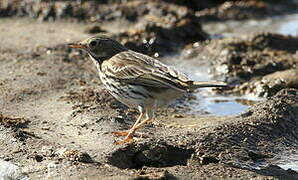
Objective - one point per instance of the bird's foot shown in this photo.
(129, 136)
(126, 133)
(128, 139)
(120, 133)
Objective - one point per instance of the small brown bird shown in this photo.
(137, 80)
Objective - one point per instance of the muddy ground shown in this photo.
(55, 115)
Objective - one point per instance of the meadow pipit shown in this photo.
(137, 80)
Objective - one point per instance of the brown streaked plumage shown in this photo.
(137, 80)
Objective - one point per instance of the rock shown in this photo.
(47, 151)
(11, 171)
(76, 156)
(38, 158)
(270, 84)
(283, 174)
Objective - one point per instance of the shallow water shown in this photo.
(289, 162)
(287, 25)
(206, 101)
(290, 165)
(286, 162)
(223, 105)
(198, 68)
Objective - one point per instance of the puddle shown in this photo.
(198, 68)
(222, 105)
(207, 102)
(287, 25)
(290, 165)
(290, 27)
(289, 162)
(286, 162)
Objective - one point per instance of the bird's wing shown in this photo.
(141, 69)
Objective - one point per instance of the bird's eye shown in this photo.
(93, 43)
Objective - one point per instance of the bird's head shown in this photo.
(100, 47)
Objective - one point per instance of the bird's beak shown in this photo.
(77, 45)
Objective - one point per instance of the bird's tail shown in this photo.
(197, 84)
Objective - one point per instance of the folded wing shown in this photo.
(140, 69)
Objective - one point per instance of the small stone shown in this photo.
(41, 73)
(177, 116)
(256, 155)
(84, 158)
(204, 160)
(38, 158)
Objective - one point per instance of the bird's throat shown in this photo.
(97, 61)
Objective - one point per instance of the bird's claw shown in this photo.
(129, 136)
(124, 141)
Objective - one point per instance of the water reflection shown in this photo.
(290, 26)
(224, 105)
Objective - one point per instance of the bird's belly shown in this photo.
(130, 95)
(165, 97)
(135, 95)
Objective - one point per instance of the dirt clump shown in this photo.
(257, 63)
(160, 154)
(13, 121)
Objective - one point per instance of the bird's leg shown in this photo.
(131, 132)
(141, 124)
(149, 116)
(125, 133)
